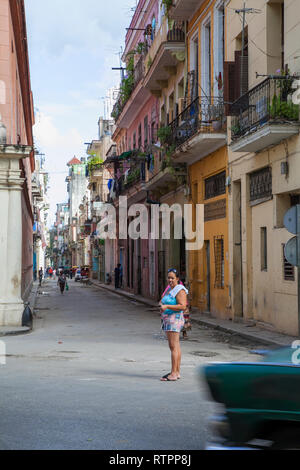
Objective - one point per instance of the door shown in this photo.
(122, 265)
(139, 267)
(237, 251)
(207, 277)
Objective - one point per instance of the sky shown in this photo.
(73, 45)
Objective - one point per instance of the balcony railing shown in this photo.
(268, 103)
(204, 114)
(136, 174)
(176, 34)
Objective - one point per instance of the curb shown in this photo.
(232, 331)
(22, 330)
(149, 303)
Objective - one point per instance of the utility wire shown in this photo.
(261, 50)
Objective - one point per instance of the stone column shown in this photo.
(11, 184)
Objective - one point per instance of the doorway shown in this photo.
(237, 251)
(207, 275)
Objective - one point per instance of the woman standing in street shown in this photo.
(173, 305)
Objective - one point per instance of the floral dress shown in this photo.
(171, 320)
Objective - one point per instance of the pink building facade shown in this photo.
(137, 124)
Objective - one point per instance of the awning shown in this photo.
(126, 155)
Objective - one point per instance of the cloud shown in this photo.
(73, 45)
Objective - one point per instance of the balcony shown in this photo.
(199, 130)
(168, 178)
(132, 184)
(129, 104)
(184, 9)
(264, 116)
(96, 171)
(166, 50)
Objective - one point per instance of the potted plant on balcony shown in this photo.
(164, 134)
(168, 5)
(283, 109)
(141, 48)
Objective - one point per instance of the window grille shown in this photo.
(219, 261)
(261, 184)
(288, 269)
(215, 185)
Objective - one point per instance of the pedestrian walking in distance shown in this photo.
(41, 274)
(62, 282)
(172, 306)
(117, 276)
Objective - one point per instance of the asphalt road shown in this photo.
(87, 377)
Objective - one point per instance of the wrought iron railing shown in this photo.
(204, 114)
(136, 174)
(176, 34)
(270, 101)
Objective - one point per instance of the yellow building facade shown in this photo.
(208, 160)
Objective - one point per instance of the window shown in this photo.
(194, 66)
(261, 184)
(206, 57)
(134, 141)
(215, 185)
(171, 107)
(145, 132)
(152, 137)
(288, 269)
(263, 249)
(140, 137)
(219, 47)
(219, 261)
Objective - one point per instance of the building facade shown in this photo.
(40, 210)
(16, 164)
(263, 163)
(77, 186)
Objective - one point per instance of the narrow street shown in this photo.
(87, 377)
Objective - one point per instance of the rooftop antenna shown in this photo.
(122, 69)
(244, 11)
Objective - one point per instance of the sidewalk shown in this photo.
(249, 331)
(20, 330)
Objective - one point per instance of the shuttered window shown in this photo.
(236, 79)
(229, 85)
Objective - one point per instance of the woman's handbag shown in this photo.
(67, 286)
